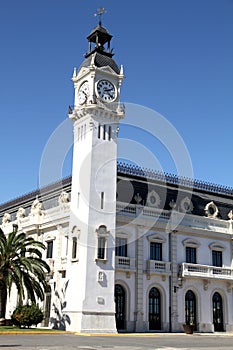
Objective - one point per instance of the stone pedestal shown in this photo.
(206, 328)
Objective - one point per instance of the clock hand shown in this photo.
(108, 89)
(109, 92)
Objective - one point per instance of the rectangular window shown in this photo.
(67, 245)
(104, 132)
(156, 251)
(217, 258)
(101, 248)
(49, 254)
(99, 128)
(121, 247)
(109, 133)
(74, 248)
(191, 255)
(102, 200)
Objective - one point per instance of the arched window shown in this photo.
(190, 308)
(217, 312)
(154, 309)
(74, 247)
(120, 300)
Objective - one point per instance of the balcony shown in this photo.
(124, 263)
(158, 267)
(205, 271)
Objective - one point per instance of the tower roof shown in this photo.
(100, 60)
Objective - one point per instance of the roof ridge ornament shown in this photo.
(100, 12)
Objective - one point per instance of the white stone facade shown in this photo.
(134, 266)
(136, 272)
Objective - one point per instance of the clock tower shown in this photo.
(90, 305)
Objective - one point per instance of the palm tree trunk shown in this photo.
(3, 300)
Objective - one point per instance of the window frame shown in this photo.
(101, 244)
(191, 243)
(74, 248)
(156, 238)
(158, 251)
(49, 250)
(216, 254)
(121, 248)
(190, 255)
(217, 247)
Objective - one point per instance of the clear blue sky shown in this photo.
(178, 59)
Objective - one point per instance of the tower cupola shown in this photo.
(99, 39)
(99, 47)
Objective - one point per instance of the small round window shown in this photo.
(153, 199)
(211, 210)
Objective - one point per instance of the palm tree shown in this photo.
(21, 264)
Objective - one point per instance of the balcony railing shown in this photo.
(155, 266)
(177, 218)
(138, 211)
(125, 263)
(205, 271)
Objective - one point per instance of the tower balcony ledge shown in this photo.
(77, 112)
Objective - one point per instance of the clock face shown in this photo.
(106, 90)
(83, 92)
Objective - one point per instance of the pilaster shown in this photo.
(174, 289)
(139, 295)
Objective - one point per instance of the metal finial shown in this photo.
(100, 12)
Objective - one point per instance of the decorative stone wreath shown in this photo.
(153, 199)
(186, 205)
(211, 210)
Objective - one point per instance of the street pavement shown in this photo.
(119, 342)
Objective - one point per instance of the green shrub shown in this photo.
(27, 315)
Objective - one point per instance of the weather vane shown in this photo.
(100, 12)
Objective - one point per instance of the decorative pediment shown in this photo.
(49, 237)
(75, 232)
(102, 231)
(107, 69)
(83, 71)
(190, 242)
(156, 238)
(217, 246)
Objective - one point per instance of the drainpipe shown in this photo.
(170, 285)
